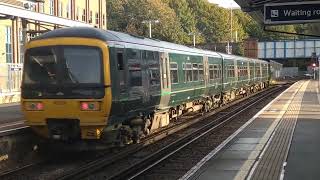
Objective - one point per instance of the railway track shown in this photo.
(134, 159)
(135, 162)
(140, 168)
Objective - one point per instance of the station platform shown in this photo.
(279, 142)
(11, 117)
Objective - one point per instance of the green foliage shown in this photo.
(179, 18)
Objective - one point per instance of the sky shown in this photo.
(225, 3)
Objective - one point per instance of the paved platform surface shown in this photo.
(11, 117)
(280, 142)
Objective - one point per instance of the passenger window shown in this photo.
(216, 71)
(120, 61)
(188, 72)
(154, 69)
(134, 66)
(211, 72)
(201, 75)
(195, 72)
(174, 73)
(135, 74)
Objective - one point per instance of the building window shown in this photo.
(69, 9)
(77, 13)
(83, 15)
(51, 7)
(90, 18)
(8, 45)
(174, 73)
(104, 19)
(97, 18)
(21, 52)
(41, 7)
(60, 9)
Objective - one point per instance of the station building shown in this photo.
(91, 12)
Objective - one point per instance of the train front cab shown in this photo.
(66, 90)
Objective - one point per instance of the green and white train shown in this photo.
(119, 87)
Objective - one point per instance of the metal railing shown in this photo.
(10, 78)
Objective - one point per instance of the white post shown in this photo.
(231, 24)
(150, 35)
(194, 40)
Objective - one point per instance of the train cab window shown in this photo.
(211, 72)
(201, 73)
(195, 72)
(187, 68)
(120, 60)
(174, 73)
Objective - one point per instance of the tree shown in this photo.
(185, 16)
(131, 14)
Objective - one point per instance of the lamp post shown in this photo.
(194, 34)
(150, 25)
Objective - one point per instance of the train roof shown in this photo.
(113, 36)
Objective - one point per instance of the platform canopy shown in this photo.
(256, 7)
(7, 10)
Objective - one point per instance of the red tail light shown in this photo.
(34, 106)
(84, 106)
(40, 106)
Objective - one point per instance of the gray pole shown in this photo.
(319, 72)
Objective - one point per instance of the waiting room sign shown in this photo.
(291, 12)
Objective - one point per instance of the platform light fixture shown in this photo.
(194, 34)
(150, 22)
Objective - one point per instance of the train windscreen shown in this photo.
(63, 72)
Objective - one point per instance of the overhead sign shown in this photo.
(292, 12)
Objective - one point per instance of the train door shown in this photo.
(135, 73)
(206, 73)
(151, 78)
(236, 73)
(145, 78)
(165, 80)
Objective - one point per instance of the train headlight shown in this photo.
(89, 106)
(34, 106)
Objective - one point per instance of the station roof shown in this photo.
(256, 7)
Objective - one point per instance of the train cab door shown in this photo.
(165, 80)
